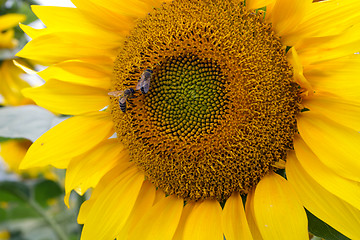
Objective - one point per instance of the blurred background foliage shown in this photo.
(31, 201)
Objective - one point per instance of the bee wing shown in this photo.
(139, 84)
(122, 100)
(116, 93)
(146, 86)
(141, 81)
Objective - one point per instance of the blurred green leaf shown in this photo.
(4, 139)
(3, 215)
(6, 196)
(323, 230)
(2, 2)
(25, 8)
(28, 121)
(46, 190)
(21, 211)
(16, 190)
(17, 235)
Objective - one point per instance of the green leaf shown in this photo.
(46, 190)
(4, 139)
(14, 191)
(21, 211)
(3, 215)
(26, 9)
(28, 121)
(323, 230)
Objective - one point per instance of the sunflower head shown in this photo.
(221, 107)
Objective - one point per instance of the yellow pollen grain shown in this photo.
(221, 108)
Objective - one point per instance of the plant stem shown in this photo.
(55, 227)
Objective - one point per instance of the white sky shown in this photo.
(63, 3)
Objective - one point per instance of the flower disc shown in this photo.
(221, 107)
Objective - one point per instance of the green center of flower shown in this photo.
(186, 97)
(221, 108)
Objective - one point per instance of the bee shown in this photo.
(124, 95)
(144, 82)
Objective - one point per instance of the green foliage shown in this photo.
(25, 210)
(2, 214)
(4, 139)
(14, 191)
(21, 211)
(323, 230)
(45, 191)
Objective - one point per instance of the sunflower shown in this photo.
(11, 84)
(4, 235)
(7, 33)
(238, 93)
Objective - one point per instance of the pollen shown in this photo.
(221, 108)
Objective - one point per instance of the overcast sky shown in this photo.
(64, 3)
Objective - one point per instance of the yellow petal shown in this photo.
(86, 170)
(4, 235)
(278, 211)
(346, 88)
(179, 233)
(84, 210)
(135, 8)
(160, 222)
(314, 50)
(325, 18)
(250, 215)
(286, 14)
(337, 77)
(255, 4)
(235, 225)
(68, 98)
(105, 18)
(294, 59)
(7, 39)
(23, 67)
(339, 110)
(343, 188)
(11, 84)
(113, 206)
(71, 19)
(324, 205)
(68, 139)
(109, 178)
(142, 205)
(33, 32)
(159, 195)
(79, 72)
(339, 66)
(61, 46)
(10, 20)
(116, 16)
(335, 145)
(204, 221)
(13, 151)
